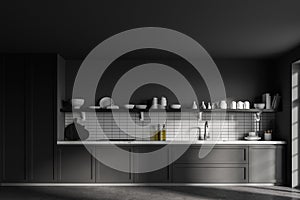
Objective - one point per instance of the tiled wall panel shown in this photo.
(179, 126)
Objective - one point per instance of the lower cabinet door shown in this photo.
(142, 163)
(75, 165)
(266, 164)
(207, 173)
(107, 159)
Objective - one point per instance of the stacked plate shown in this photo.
(252, 138)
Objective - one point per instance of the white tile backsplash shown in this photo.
(233, 126)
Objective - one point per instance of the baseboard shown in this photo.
(136, 184)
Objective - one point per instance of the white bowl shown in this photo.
(129, 106)
(259, 105)
(141, 106)
(175, 106)
(77, 103)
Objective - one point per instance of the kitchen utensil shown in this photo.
(268, 136)
(141, 106)
(77, 103)
(246, 105)
(75, 132)
(194, 105)
(106, 101)
(266, 98)
(203, 106)
(154, 103)
(175, 106)
(223, 104)
(259, 105)
(129, 106)
(233, 105)
(214, 105)
(208, 106)
(163, 101)
(240, 105)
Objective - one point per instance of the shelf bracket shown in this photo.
(200, 116)
(141, 116)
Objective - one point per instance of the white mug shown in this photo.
(246, 105)
(233, 105)
(240, 105)
(223, 104)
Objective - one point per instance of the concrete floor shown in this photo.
(147, 193)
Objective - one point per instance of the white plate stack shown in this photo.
(252, 137)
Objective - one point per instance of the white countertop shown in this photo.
(236, 142)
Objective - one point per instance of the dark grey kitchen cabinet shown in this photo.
(42, 117)
(28, 117)
(158, 176)
(266, 164)
(75, 164)
(106, 174)
(13, 117)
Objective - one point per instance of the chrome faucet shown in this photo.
(206, 130)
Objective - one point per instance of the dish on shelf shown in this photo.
(112, 107)
(106, 101)
(259, 105)
(129, 106)
(141, 106)
(252, 138)
(175, 106)
(94, 107)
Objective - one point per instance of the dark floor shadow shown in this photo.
(222, 192)
(44, 193)
(277, 189)
(145, 193)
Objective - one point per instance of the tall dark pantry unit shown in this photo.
(29, 116)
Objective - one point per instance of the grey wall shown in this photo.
(244, 79)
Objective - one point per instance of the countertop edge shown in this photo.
(238, 142)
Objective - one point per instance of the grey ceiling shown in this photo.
(72, 28)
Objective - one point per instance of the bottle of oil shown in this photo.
(153, 137)
(158, 134)
(163, 133)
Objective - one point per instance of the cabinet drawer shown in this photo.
(217, 155)
(203, 173)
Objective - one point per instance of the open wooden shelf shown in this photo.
(169, 110)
